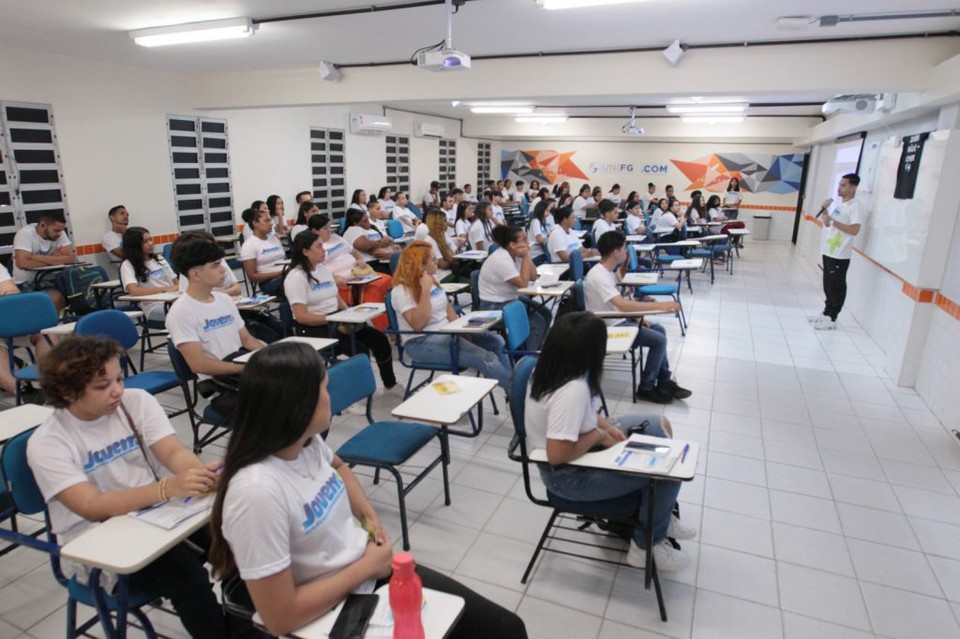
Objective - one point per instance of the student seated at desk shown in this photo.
(583, 202)
(605, 223)
(143, 272)
(294, 569)
(507, 270)
(421, 305)
(481, 230)
(112, 240)
(205, 325)
(714, 212)
(496, 204)
(28, 393)
(672, 218)
(385, 198)
(400, 212)
(44, 243)
(562, 418)
(634, 223)
(464, 218)
(658, 208)
(107, 451)
(367, 240)
(312, 294)
(261, 251)
(445, 248)
(307, 210)
(538, 229)
(275, 207)
(562, 242)
(602, 294)
(359, 200)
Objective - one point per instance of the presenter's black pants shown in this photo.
(834, 285)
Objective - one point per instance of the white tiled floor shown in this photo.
(826, 498)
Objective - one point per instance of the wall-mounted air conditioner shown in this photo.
(428, 130)
(362, 124)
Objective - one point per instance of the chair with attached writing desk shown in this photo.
(28, 500)
(655, 290)
(383, 445)
(24, 315)
(218, 424)
(571, 516)
(393, 328)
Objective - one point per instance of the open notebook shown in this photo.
(171, 514)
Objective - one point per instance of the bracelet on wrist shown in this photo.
(163, 490)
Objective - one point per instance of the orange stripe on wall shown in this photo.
(948, 306)
(93, 249)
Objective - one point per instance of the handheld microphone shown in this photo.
(823, 209)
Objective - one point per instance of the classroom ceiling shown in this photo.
(98, 30)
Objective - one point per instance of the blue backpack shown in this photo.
(75, 284)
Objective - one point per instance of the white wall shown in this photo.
(111, 126)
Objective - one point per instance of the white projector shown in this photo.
(632, 129)
(443, 60)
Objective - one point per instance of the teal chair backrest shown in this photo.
(395, 229)
(22, 485)
(26, 314)
(579, 296)
(415, 209)
(111, 324)
(518, 396)
(517, 323)
(349, 382)
(576, 265)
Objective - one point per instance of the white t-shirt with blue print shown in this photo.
(159, 274)
(319, 294)
(66, 451)
(215, 325)
(281, 513)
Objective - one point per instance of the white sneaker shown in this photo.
(396, 390)
(679, 530)
(360, 408)
(826, 325)
(816, 319)
(668, 558)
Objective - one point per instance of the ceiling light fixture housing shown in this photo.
(577, 4)
(706, 108)
(541, 119)
(194, 32)
(712, 119)
(502, 110)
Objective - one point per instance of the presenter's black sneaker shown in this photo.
(670, 387)
(655, 395)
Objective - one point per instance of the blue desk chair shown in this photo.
(21, 316)
(28, 500)
(383, 445)
(217, 424)
(393, 328)
(576, 265)
(475, 290)
(394, 260)
(516, 324)
(395, 229)
(573, 516)
(493, 247)
(167, 253)
(116, 326)
(415, 210)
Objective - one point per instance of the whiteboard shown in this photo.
(897, 230)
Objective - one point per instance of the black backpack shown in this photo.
(75, 282)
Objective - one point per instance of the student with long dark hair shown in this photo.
(136, 462)
(144, 272)
(562, 242)
(260, 252)
(359, 200)
(306, 211)
(482, 227)
(367, 240)
(296, 569)
(465, 213)
(538, 229)
(312, 294)
(732, 199)
(275, 206)
(506, 271)
(561, 417)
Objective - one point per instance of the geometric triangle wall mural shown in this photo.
(546, 166)
(757, 173)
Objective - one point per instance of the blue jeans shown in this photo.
(590, 484)
(538, 314)
(480, 351)
(656, 369)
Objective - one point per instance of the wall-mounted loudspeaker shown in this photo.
(673, 53)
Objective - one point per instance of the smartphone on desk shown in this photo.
(659, 449)
(354, 617)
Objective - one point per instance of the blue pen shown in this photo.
(683, 456)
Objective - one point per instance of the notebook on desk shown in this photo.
(168, 515)
(650, 457)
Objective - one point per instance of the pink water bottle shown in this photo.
(406, 598)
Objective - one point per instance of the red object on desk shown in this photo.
(406, 598)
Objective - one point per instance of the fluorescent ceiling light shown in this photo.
(541, 119)
(455, 103)
(194, 32)
(712, 119)
(698, 109)
(518, 110)
(576, 4)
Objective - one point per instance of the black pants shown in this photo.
(369, 340)
(481, 619)
(834, 285)
(179, 575)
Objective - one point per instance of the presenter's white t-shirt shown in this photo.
(834, 242)
(496, 270)
(280, 513)
(318, 294)
(215, 325)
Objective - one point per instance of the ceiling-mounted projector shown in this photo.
(632, 129)
(443, 60)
